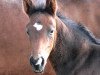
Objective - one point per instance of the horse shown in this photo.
(14, 45)
(71, 48)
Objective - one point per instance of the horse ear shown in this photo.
(27, 6)
(51, 6)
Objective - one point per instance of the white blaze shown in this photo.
(38, 26)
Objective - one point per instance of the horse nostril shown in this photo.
(42, 60)
(32, 61)
(37, 62)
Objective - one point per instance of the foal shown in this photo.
(71, 48)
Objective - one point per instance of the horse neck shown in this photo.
(62, 47)
(65, 52)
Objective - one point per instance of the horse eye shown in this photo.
(27, 32)
(51, 32)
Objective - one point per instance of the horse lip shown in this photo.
(37, 71)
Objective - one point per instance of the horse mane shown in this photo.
(80, 26)
(88, 33)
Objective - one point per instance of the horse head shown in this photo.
(41, 30)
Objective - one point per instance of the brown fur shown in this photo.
(51, 6)
(84, 11)
(14, 43)
(75, 50)
(74, 54)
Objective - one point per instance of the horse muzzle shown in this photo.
(37, 64)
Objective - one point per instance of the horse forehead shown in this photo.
(39, 3)
(38, 26)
